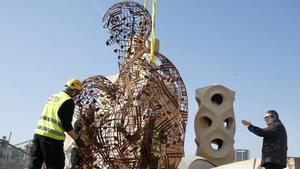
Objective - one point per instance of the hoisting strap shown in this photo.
(145, 4)
(153, 28)
(153, 31)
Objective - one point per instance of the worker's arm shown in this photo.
(65, 113)
(72, 134)
(271, 130)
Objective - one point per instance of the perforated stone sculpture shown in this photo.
(215, 124)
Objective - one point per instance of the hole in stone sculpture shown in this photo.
(197, 143)
(228, 123)
(216, 144)
(198, 100)
(205, 122)
(217, 99)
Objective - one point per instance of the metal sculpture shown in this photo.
(119, 120)
(125, 22)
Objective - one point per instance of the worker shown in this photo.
(56, 118)
(149, 150)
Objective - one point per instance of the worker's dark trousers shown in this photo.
(48, 150)
(146, 159)
(152, 162)
(273, 166)
(75, 159)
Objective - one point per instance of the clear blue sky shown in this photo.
(251, 47)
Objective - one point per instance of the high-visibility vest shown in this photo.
(155, 146)
(49, 124)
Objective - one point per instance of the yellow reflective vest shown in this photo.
(155, 147)
(49, 124)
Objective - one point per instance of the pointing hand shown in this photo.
(246, 123)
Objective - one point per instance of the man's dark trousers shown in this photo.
(272, 166)
(48, 150)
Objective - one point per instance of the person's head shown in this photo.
(271, 116)
(73, 87)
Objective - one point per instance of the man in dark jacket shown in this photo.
(274, 149)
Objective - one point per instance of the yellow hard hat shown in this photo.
(74, 84)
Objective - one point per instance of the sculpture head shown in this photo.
(129, 25)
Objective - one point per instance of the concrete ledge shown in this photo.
(292, 163)
(194, 162)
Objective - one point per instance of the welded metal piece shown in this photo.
(126, 21)
(119, 119)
